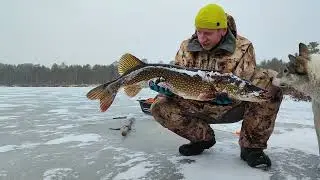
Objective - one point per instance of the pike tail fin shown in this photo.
(128, 63)
(106, 97)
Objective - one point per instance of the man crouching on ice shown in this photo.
(217, 46)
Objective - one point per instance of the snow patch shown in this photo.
(138, 171)
(85, 107)
(60, 174)
(8, 148)
(91, 162)
(9, 105)
(304, 139)
(224, 162)
(131, 161)
(9, 127)
(59, 111)
(67, 126)
(3, 173)
(84, 138)
(8, 117)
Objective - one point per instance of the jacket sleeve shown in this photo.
(247, 63)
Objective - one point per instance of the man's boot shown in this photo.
(196, 148)
(255, 157)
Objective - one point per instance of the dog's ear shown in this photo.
(303, 50)
(283, 69)
(292, 58)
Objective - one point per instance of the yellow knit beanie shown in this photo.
(211, 16)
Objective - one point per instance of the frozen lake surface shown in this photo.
(56, 133)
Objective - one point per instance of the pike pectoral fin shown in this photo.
(132, 90)
(211, 96)
(207, 96)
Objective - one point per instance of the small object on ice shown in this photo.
(114, 128)
(127, 127)
(237, 132)
(187, 161)
(120, 117)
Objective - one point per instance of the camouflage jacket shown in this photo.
(234, 54)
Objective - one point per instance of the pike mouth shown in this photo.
(252, 98)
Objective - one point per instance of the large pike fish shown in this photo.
(194, 84)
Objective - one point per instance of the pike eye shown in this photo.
(285, 71)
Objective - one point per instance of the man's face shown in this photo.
(209, 38)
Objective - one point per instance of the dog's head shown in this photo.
(295, 71)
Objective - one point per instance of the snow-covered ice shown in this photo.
(78, 138)
(56, 133)
(59, 174)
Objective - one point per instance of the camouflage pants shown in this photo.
(190, 119)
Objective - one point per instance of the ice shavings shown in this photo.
(226, 82)
(212, 76)
(191, 73)
(205, 75)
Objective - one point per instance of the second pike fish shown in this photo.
(195, 84)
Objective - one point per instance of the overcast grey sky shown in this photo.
(100, 31)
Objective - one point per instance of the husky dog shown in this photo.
(302, 73)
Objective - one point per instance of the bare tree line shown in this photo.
(57, 75)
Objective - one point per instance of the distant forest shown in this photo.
(57, 75)
(276, 63)
(83, 75)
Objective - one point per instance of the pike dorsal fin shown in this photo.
(128, 62)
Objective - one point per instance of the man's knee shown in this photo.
(166, 111)
(159, 105)
(171, 115)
